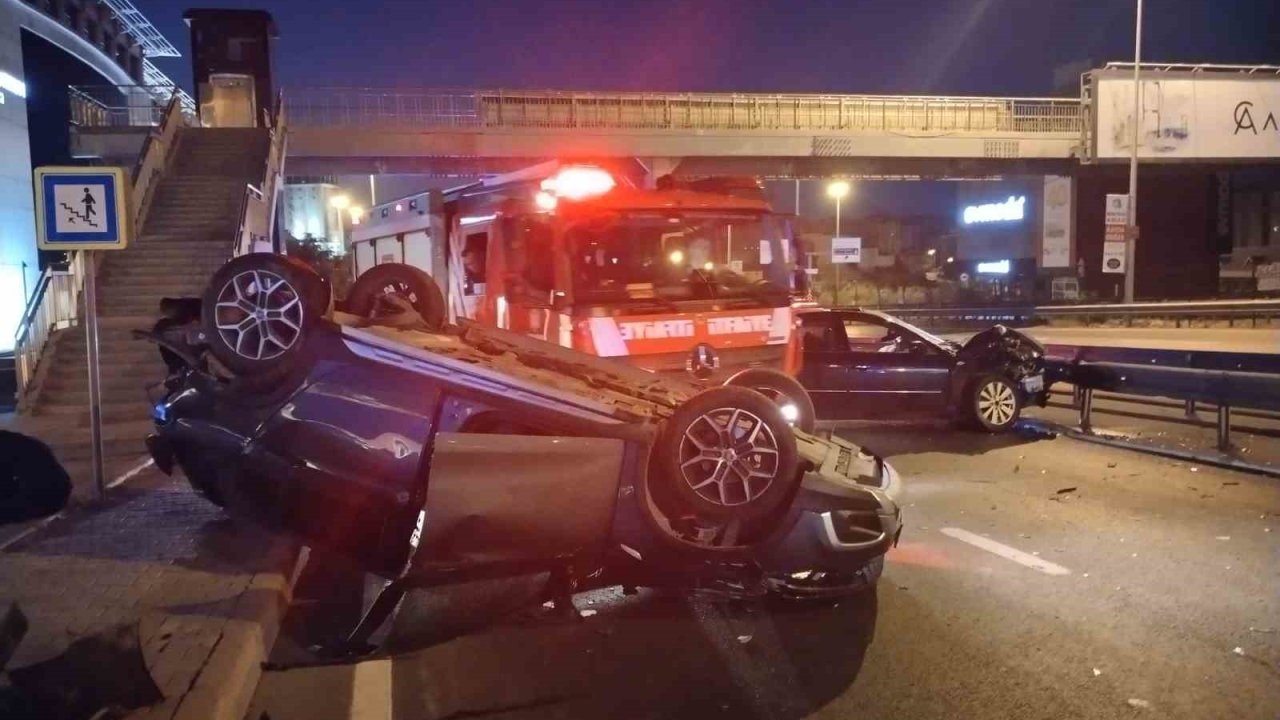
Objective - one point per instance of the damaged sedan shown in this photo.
(435, 454)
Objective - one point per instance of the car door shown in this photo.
(890, 371)
(824, 362)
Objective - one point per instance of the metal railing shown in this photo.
(1230, 310)
(417, 109)
(1224, 379)
(55, 304)
(122, 106)
(258, 204)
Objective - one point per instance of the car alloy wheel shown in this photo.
(729, 456)
(259, 315)
(997, 405)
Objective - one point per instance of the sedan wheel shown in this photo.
(996, 403)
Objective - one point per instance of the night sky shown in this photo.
(973, 47)
(1006, 47)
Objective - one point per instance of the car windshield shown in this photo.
(928, 336)
(681, 256)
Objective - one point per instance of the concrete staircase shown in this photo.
(188, 233)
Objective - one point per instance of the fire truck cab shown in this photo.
(692, 276)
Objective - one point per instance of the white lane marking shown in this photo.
(1005, 551)
(131, 473)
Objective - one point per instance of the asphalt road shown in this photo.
(1040, 578)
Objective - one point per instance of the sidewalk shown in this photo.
(157, 575)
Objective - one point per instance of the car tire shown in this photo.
(403, 280)
(995, 403)
(201, 476)
(783, 390)
(256, 312)
(727, 454)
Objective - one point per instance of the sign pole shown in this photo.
(835, 297)
(1131, 239)
(95, 390)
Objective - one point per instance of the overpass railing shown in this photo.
(119, 106)
(477, 109)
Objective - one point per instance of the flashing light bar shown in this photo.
(475, 219)
(1012, 209)
(577, 182)
(12, 84)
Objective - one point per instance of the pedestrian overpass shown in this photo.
(468, 132)
(345, 130)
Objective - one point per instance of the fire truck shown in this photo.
(695, 276)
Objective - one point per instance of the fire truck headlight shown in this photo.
(790, 412)
(676, 257)
(545, 200)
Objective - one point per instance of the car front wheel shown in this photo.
(995, 403)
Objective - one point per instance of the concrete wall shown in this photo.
(17, 213)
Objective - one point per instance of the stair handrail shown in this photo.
(258, 203)
(55, 304)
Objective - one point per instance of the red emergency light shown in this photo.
(577, 182)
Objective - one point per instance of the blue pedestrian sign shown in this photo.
(82, 208)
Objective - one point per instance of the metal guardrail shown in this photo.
(428, 108)
(1225, 379)
(1230, 310)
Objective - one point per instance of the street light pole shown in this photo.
(1131, 239)
(837, 190)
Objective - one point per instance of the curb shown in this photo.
(207, 666)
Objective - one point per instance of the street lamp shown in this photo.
(837, 190)
(340, 202)
(1131, 239)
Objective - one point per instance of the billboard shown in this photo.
(1187, 116)
(1055, 245)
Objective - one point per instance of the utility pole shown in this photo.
(1131, 234)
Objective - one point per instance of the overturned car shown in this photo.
(435, 455)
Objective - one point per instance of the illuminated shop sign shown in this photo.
(999, 267)
(1012, 209)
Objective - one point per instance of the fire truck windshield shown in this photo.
(681, 256)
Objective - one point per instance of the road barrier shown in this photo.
(1224, 379)
(1179, 312)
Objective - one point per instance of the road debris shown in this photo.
(1239, 651)
(1096, 672)
(586, 613)
(1261, 630)
(1138, 703)
(1065, 490)
(744, 639)
(1230, 482)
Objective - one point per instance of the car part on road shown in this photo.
(790, 396)
(404, 281)
(33, 483)
(995, 403)
(256, 311)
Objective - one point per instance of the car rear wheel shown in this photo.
(400, 280)
(995, 403)
(790, 396)
(727, 454)
(256, 311)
